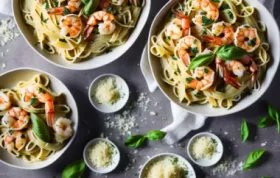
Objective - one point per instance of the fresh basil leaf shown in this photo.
(273, 113)
(202, 60)
(230, 52)
(40, 128)
(244, 130)
(135, 141)
(265, 122)
(33, 101)
(90, 7)
(252, 159)
(155, 135)
(224, 7)
(66, 11)
(74, 170)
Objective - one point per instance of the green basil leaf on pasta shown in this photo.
(156, 135)
(74, 170)
(202, 60)
(265, 122)
(135, 141)
(40, 128)
(252, 159)
(228, 52)
(33, 101)
(90, 7)
(244, 130)
(66, 11)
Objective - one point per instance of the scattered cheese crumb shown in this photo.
(7, 32)
(228, 167)
(226, 133)
(263, 144)
(152, 113)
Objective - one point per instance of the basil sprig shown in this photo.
(136, 141)
(229, 52)
(202, 60)
(74, 170)
(265, 122)
(252, 159)
(226, 52)
(40, 128)
(90, 6)
(273, 116)
(244, 130)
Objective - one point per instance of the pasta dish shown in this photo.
(33, 124)
(212, 51)
(80, 29)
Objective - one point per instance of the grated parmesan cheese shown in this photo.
(203, 147)
(100, 154)
(106, 91)
(165, 168)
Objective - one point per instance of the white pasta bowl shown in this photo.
(205, 110)
(86, 64)
(10, 79)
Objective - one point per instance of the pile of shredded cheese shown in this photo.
(165, 168)
(203, 147)
(106, 91)
(100, 154)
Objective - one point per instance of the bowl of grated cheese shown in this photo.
(205, 149)
(101, 155)
(108, 93)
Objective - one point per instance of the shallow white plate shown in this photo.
(10, 79)
(121, 85)
(115, 159)
(217, 155)
(181, 161)
(205, 110)
(96, 62)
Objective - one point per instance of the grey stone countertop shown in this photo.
(92, 123)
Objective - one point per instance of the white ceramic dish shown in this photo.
(115, 159)
(217, 155)
(205, 110)
(96, 62)
(109, 108)
(182, 161)
(10, 79)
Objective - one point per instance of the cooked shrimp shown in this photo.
(247, 37)
(15, 140)
(187, 47)
(93, 22)
(71, 25)
(62, 127)
(72, 6)
(209, 15)
(5, 102)
(34, 95)
(253, 67)
(223, 34)
(15, 119)
(203, 78)
(229, 68)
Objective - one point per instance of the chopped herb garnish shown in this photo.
(111, 10)
(225, 7)
(66, 11)
(33, 100)
(206, 70)
(189, 79)
(203, 13)
(108, 51)
(95, 31)
(194, 50)
(41, 90)
(216, 1)
(63, 40)
(11, 132)
(186, 13)
(206, 21)
(46, 4)
(63, 3)
(252, 42)
(56, 3)
(174, 58)
(168, 38)
(42, 19)
(230, 15)
(195, 41)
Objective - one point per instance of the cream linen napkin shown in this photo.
(183, 121)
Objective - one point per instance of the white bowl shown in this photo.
(181, 160)
(115, 160)
(205, 110)
(10, 79)
(96, 62)
(216, 156)
(109, 108)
